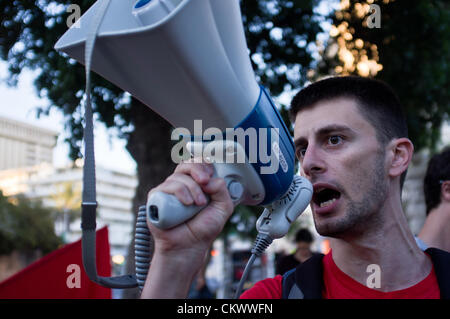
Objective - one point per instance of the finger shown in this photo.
(200, 163)
(200, 172)
(177, 188)
(195, 190)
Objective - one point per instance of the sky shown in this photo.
(20, 103)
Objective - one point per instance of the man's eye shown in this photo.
(301, 152)
(335, 139)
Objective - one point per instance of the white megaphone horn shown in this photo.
(188, 60)
(184, 59)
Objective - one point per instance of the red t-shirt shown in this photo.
(269, 288)
(338, 285)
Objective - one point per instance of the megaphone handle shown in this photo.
(166, 211)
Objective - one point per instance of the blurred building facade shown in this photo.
(26, 167)
(22, 144)
(115, 192)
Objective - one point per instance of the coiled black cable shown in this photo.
(142, 247)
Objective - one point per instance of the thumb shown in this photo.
(218, 192)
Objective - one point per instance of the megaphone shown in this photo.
(188, 61)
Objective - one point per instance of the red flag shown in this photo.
(60, 275)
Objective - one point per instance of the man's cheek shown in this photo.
(356, 173)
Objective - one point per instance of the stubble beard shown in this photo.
(359, 216)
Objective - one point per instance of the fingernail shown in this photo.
(201, 199)
(188, 198)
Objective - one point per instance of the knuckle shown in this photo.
(179, 187)
(171, 185)
(183, 166)
(194, 187)
(209, 167)
(184, 179)
(172, 177)
(221, 183)
(168, 179)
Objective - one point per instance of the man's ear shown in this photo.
(400, 154)
(445, 191)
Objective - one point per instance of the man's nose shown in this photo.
(313, 163)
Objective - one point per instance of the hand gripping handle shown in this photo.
(166, 211)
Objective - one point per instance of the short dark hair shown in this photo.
(438, 170)
(376, 101)
(303, 235)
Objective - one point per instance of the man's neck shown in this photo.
(435, 232)
(390, 246)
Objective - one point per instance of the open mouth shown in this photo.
(325, 196)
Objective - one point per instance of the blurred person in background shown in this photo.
(436, 230)
(303, 241)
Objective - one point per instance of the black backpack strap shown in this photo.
(441, 263)
(290, 289)
(305, 281)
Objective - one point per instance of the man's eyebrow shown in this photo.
(334, 128)
(299, 142)
(302, 141)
